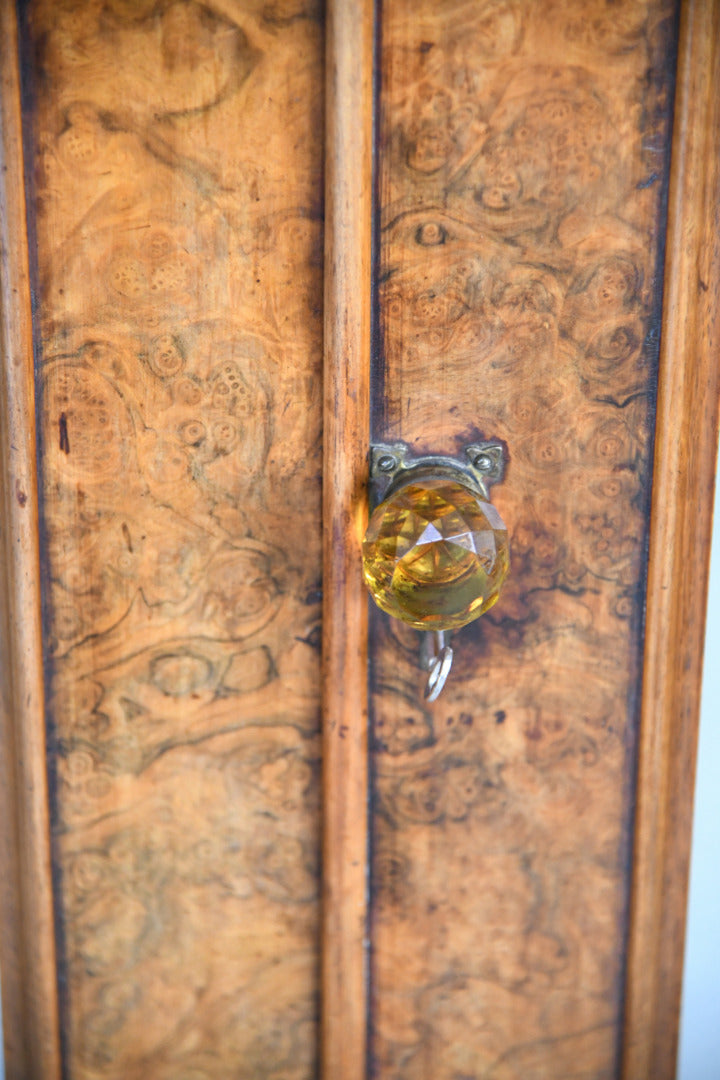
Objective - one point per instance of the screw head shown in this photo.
(386, 463)
(483, 462)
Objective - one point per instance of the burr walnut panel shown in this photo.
(162, 167)
(523, 152)
(175, 156)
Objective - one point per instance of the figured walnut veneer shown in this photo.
(523, 159)
(185, 329)
(176, 159)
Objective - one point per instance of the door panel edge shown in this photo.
(27, 935)
(680, 531)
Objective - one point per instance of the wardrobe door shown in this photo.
(522, 190)
(543, 277)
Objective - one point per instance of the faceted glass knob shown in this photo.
(435, 554)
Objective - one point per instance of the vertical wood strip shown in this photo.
(349, 127)
(681, 525)
(27, 941)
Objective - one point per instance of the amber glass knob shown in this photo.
(436, 551)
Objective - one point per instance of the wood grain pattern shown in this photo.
(27, 934)
(177, 178)
(175, 172)
(348, 247)
(680, 536)
(523, 158)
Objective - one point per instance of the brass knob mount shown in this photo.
(392, 464)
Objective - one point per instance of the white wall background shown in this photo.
(699, 1057)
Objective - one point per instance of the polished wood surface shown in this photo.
(680, 535)
(523, 156)
(177, 183)
(198, 336)
(27, 933)
(348, 249)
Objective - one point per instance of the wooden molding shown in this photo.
(348, 209)
(680, 533)
(27, 939)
